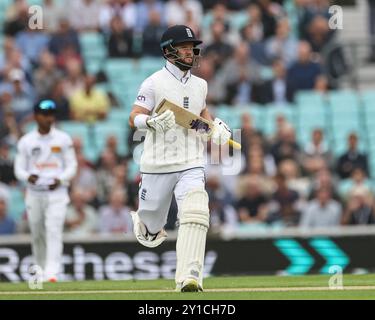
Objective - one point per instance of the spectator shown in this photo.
(321, 84)
(88, 18)
(316, 155)
(46, 75)
(62, 103)
(32, 42)
(89, 104)
(358, 178)
(7, 224)
(115, 217)
(81, 218)
(17, 18)
(290, 169)
(352, 159)
(303, 73)
(286, 146)
(52, 13)
(120, 44)
(218, 48)
(176, 11)
(22, 95)
(239, 73)
(148, 10)
(152, 35)
(256, 20)
(252, 207)
(9, 130)
(284, 204)
(273, 90)
(85, 178)
(271, 11)
(324, 179)
(6, 165)
(360, 208)
(322, 211)
(248, 132)
(105, 174)
(66, 38)
(74, 79)
(319, 35)
(282, 46)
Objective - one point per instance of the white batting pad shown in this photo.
(191, 240)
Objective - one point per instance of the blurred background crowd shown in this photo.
(306, 156)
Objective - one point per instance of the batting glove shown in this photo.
(162, 122)
(221, 132)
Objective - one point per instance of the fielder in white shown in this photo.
(171, 161)
(46, 161)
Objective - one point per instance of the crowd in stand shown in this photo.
(281, 183)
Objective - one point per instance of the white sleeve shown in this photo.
(20, 163)
(146, 95)
(70, 162)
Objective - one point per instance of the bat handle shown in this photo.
(234, 144)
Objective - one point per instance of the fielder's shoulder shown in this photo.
(64, 136)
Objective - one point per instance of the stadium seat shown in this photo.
(310, 98)
(288, 111)
(92, 45)
(16, 205)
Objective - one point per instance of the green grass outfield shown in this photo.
(216, 288)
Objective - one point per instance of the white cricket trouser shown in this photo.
(156, 191)
(46, 215)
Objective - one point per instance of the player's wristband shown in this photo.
(140, 121)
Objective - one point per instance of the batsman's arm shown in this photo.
(142, 115)
(205, 114)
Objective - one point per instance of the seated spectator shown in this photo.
(125, 9)
(12, 58)
(352, 159)
(74, 79)
(62, 103)
(285, 146)
(358, 178)
(89, 104)
(282, 46)
(7, 224)
(316, 154)
(46, 74)
(81, 218)
(6, 165)
(360, 208)
(17, 18)
(9, 130)
(85, 178)
(273, 90)
(322, 211)
(120, 44)
(176, 11)
(52, 13)
(239, 73)
(303, 73)
(22, 94)
(218, 48)
(319, 34)
(248, 132)
(88, 18)
(271, 12)
(115, 217)
(253, 206)
(148, 10)
(65, 37)
(255, 18)
(152, 35)
(290, 169)
(105, 175)
(32, 42)
(283, 207)
(324, 179)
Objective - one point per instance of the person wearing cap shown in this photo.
(46, 162)
(172, 160)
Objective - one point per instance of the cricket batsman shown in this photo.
(46, 161)
(165, 172)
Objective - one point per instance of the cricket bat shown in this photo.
(189, 120)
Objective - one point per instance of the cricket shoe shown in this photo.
(190, 285)
(143, 236)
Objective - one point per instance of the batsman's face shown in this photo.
(185, 52)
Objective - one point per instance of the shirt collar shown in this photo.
(49, 134)
(177, 73)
